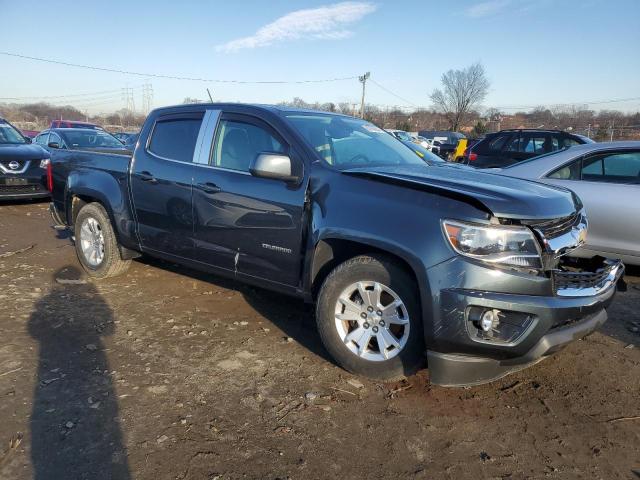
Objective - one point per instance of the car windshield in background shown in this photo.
(345, 142)
(10, 135)
(89, 139)
(423, 153)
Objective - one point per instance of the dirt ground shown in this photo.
(165, 373)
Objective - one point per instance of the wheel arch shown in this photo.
(330, 251)
(101, 187)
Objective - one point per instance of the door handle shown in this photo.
(147, 177)
(209, 187)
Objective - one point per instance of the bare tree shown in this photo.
(462, 91)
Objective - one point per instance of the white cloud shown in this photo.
(484, 9)
(326, 23)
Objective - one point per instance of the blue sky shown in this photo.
(534, 51)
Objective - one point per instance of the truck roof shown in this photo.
(260, 106)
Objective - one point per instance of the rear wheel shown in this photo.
(96, 244)
(369, 319)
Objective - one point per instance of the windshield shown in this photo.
(8, 134)
(345, 142)
(423, 153)
(89, 139)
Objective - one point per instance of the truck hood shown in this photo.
(25, 151)
(501, 196)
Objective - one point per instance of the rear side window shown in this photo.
(514, 145)
(174, 138)
(621, 167)
(612, 167)
(492, 145)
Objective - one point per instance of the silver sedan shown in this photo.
(606, 177)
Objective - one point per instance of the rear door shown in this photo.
(161, 177)
(608, 183)
(250, 225)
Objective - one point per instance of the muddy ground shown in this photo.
(165, 373)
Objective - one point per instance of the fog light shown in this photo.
(489, 319)
(497, 326)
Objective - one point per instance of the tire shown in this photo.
(94, 218)
(341, 337)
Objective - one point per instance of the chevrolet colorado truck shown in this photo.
(402, 259)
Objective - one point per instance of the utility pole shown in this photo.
(612, 124)
(363, 79)
(589, 130)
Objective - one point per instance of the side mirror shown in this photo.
(275, 166)
(53, 145)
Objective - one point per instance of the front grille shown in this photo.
(587, 280)
(20, 189)
(556, 227)
(564, 280)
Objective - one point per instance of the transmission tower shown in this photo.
(147, 97)
(127, 97)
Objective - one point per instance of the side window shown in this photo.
(592, 168)
(514, 144)
(615, 167)
(537, 144)
(238, 144)
(174, 137)
(42, 139)
(54, 137)
(497, 143)
(623, 167)
(568, 172)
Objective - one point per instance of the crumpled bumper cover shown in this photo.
(457, 359)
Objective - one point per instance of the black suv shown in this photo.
(507, 147)
(23, 166)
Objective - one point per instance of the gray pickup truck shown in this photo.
(403, 260)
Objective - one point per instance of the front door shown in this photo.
(161, 184)
(249, 225)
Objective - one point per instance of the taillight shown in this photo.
(50, 176)
(473, 157)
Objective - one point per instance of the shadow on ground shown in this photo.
(294, 317)
(75, 427)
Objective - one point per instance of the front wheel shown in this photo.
(369, 318)
(96, 243)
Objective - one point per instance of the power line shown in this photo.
(173, 77)
(599, 102)
(394, 94)
(75, 95)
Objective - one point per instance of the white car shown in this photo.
(606, 177)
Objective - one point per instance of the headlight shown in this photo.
(504, 245)
(44, 163)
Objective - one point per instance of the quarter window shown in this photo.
(175, 138)
(238, 144)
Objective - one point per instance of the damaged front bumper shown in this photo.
(528, 327)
